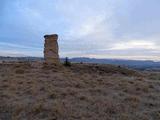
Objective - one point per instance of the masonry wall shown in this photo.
(51, 49)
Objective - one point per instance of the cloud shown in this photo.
(17, 53)
(103, 28)
(135, 44)
(90, 25)
(10, 49)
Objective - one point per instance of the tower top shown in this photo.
(51, 36)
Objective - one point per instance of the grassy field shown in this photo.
(34, 91)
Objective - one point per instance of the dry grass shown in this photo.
(19, 71)
(35, 91)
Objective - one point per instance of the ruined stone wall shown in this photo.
(51, 55)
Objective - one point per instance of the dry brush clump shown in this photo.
(22, 67)
(104, 69)
(19, 71)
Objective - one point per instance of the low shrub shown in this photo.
(67, 63)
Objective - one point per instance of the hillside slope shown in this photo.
(33, 91)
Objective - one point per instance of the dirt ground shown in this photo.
(34, 91)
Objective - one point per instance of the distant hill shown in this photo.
(136, 64)
(20, 58)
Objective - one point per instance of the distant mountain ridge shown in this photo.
(137, 64)
(2, 58)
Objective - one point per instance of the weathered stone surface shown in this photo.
(51, 55)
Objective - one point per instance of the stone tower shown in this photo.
(51, 55)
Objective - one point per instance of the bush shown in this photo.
(67, 63)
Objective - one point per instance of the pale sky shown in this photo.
(125, 29)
